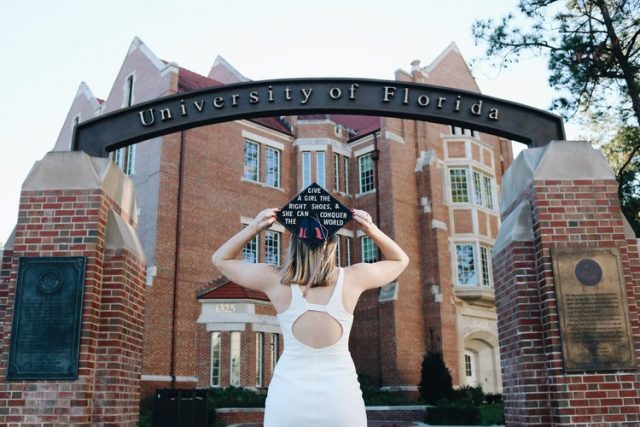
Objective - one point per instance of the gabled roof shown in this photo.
(189, 80)
(223, 288)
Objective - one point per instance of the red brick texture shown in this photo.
(73, 223)
(537, 391)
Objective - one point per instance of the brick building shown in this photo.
(433, 188)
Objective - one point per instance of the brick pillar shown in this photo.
(560, 197)
(74, 205)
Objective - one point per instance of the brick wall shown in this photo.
(564, 213)
(53, 223)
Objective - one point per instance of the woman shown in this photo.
(315, 382)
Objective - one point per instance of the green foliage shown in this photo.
(474, 394)
(233, 397)
(435, 383)
(373, 396)
(492, 398)
(621, 153)
(460, 412)
(591, 46)
(593, 52)
(491, 414)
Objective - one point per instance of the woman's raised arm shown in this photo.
(374, 275)
(250, 275)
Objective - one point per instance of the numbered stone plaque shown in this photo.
(45, 335)
(594, 316)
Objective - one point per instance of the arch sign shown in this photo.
(99, 136)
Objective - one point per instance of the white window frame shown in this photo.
(368, 247)
(366, 183)
(247, 175)
(259, 359)
(486, 267)
(275, 348)
(478, 194)
(255, 241)
(321, 169)
(474, 263)
(336, 171)
(456, 186)
(215, 380)
(272, 154)
(306, 169)
(470, 368)
(338, 250)
(272, 236)
(348, 250)
(346, 175)
(235, 353)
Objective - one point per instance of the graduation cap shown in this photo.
(314, 215)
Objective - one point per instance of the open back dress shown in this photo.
(315, 387)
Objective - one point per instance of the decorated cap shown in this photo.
(314, 215)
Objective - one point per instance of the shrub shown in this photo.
(233, 397)
(473, 393)
(460, 412)
(436, 381)
(492, 398)
(373, 396)
(491, 414)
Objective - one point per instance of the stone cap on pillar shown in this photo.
(75, 170)
(558, 160)
(517, 227)
(121, 235)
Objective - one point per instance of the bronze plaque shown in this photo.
(47, 316)
(594, 316)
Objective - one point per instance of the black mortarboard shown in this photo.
(314, 215)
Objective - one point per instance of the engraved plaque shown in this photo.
(45, 335)
(592, 305)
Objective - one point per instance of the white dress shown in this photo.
(315, 387)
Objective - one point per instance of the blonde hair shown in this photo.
(301, 262)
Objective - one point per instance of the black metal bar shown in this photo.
(270, 98)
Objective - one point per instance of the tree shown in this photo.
(593, 49)
(435, 383)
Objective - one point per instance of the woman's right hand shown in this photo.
(264, 220)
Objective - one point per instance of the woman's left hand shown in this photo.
(363, 218)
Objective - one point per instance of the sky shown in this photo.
(48, 48)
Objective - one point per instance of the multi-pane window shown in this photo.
(470, 272)
(369, 250)
(488, 191)
(272, 247)
(485, 263)
(365, 164)
(468, 371)
(458, 184)
(306, 169)
(336, 172)
(259, 358)
(250, 250)
(477, 188)
(320, 169)
(275, 349)
(125, 158)
(234, 359)
(215, 359)
(346, 175)
(466, 265)
(338, 251)
(347, 242)
(272, 160)
(251, 161)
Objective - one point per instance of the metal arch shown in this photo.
(267, 98)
